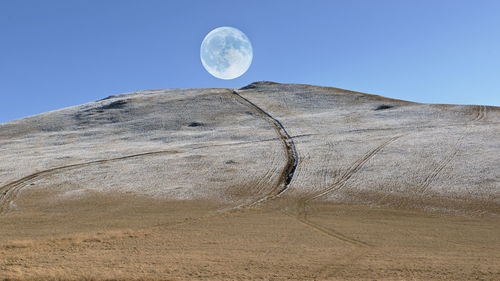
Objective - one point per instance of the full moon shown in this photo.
(226, 52)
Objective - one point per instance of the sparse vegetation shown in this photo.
(195, 124)
(384, 106)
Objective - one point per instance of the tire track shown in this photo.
(265, 181)
(432, 176)
(334, 234)
(355, 167)
(9, 192)
(339, 184)
(288, 143)
(480, 116)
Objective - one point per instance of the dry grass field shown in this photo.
(267, 182)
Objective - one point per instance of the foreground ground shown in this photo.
(271, 181)
(139, 238)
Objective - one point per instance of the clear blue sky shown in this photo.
(55, 54)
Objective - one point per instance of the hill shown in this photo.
(333, 174)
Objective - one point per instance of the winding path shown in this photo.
(291, 151)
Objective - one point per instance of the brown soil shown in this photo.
(134, 237)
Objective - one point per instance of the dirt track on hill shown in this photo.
(291, 151)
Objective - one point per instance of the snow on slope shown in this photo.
(213, 144)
